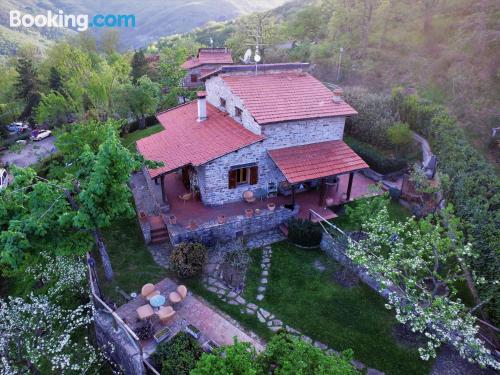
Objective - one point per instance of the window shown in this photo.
(194, 78)
(238, 112)
(223, 102)
(243, 175)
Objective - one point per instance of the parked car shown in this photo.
(38, 135)
(17, 127)
(4, 178)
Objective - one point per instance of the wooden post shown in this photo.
(293, 195)
(156, 180)
(162, 184)
(349, 186)
(322, 192)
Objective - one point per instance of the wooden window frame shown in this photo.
(194, 78)
(243, 175)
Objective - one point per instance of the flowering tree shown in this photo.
(46, 331)
(419, 262)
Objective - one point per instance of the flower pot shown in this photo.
(142, 215)
(192, 225)
(271, 206)
(172, 219)
(257, 211)
(221, 219)
(329, 202)
(249, 212)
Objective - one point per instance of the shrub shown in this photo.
(376, 159)
(304, 232)
(144, 331)
(188, 258)
(237, 259)
(399, 134)
(473, 187)
(177, 356)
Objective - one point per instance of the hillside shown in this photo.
(154, 18)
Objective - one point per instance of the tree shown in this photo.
(27, 86)
(141, 99)
(55, 80)
(420, 265)
(54, 108)
(45, 331)
(400, 135)
(139, 65)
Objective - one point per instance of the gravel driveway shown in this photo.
(30, 154)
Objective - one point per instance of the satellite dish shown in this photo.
(248, 55)
(256, 58)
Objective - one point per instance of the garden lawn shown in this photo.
(132, 263)
(343, 318)
(129, 139)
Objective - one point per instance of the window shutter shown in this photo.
(232, 179)
(254, 175)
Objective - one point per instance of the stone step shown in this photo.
(157, 239)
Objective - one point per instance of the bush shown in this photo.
(237, 259)
(376, 159)
(304, 232)
(473, 187)
(399, 135)
(177, 356)
(188, 258)
(144, 331)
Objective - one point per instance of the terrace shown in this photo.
(211, 324)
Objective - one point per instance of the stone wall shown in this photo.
(336, 250)
(118, 345)
(212, 232)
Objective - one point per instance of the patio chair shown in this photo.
(249, 196)
(182, 291)
(148, 291)
(174, 297)
(145, 312)
(165, 313)
(185, 197)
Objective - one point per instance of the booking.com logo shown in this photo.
(80, 22)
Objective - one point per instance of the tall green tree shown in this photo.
(141, 99)
(27, 86)
(139, 65)
(55, 80)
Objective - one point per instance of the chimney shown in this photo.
(337, 95)
(202, 105)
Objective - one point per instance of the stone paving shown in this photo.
(214, 284)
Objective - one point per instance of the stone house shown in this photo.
(277, 130)
(207, 60)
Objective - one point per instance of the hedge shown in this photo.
(376, 159)
(304, 232)
(474, 186)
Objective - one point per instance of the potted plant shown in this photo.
(192, 225)
(172, 219)
(221, 219)
(249, 212)
(271, 206)
(257, 211)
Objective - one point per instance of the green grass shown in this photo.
(397, 213)
(129, 140)
(342, 318)
(132, 263)
(252, 281)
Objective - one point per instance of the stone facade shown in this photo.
(186, 81)
(213, 176)
(212, 232)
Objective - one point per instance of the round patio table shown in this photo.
(157, 301)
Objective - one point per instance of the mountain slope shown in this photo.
(154, 18)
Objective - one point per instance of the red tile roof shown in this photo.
(276, 97)
(187, 141)
(316, 160)
(209, 56)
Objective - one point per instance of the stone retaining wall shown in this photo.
(336, 250)
(212, 232)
